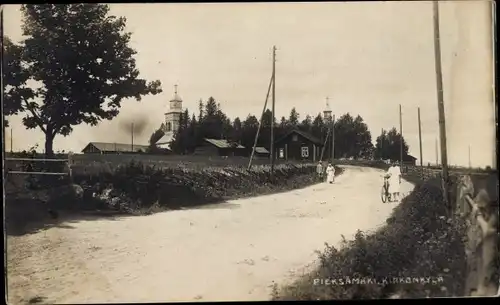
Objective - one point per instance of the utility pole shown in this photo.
(442, 122)
(11, 141)
(260, 125)
(436, 146)
(401, 137)
(272, 111)
(132, 137)
(333, 138)
(420, 137)
(470, 166)
(382, 144)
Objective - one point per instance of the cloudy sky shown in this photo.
(367, 57)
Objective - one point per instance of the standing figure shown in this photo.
(320, 171)
(394, 175)
(330, 173)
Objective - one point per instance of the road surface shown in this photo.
(231, 251)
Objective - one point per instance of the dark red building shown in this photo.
(298, 145)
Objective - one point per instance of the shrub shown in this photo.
(139, 186)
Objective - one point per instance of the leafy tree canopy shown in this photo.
(80, 56)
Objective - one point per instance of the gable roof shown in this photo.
(306, 135)
(120, 147)
(409, 158)
(223, 143)
(167, 138)
(261, 150)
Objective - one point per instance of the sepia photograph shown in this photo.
(268, 151)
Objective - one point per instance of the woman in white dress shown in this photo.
(394, 174)
(330, 173)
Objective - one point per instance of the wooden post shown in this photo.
(272, 111)
(132, 137)
(436, 146)
(382, 144)
(70, 163)
(470, 166)
(258, 129)
(401, 138)
(440, 98)
(333, 138)
(11, 141)
(420, 137)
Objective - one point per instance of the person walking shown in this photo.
(320, 170)
(330, 173)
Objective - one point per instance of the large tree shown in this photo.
(388, 145)
(352, 138)
(80, 56)
(14, 78)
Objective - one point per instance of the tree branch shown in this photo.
(36, 116)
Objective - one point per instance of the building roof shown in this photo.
(409, 158)
(303, 134)
(120, 147)
(166, 139)
(223, 143)
(261, 150)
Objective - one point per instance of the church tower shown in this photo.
(172, 119)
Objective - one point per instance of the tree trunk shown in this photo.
(49, 142)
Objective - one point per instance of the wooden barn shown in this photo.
(113, 148)
(298, 145)
(220, 147)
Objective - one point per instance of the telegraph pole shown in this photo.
(470, 166)
(439, 85)
(272, 111)
(436, 146)
(132, 137)
(420, 137)
(11, 141)
(401, 137)
(382, 143)
(333, 138)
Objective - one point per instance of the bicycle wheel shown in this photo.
(383, 195)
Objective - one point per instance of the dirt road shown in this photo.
(232, 251)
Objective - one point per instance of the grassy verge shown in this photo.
(432, 248)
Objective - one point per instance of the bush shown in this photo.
(432, 247)
(140, 187)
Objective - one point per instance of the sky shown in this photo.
(367, 57)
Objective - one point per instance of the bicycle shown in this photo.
(385, 195)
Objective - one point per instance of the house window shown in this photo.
(169, 126)
(295, 138)
(305, 152)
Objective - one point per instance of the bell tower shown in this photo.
(173, 116)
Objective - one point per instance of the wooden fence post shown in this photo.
(70, 163)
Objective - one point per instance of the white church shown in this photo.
(171, 124)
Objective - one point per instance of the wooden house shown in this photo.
(409, 160)
(298, 145)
